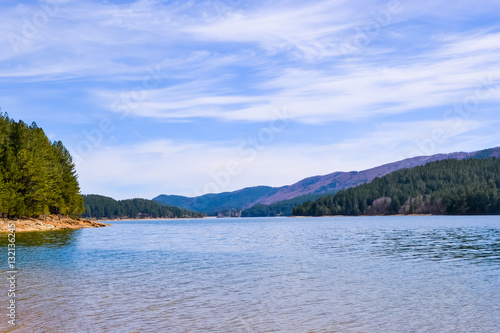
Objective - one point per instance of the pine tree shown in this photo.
(70, 189)
(453, 186)
(36, 176)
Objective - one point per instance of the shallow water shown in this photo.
(357, 274)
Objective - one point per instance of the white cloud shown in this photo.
(242, 64)
(193, 168)
(348, 92)
(277, 27)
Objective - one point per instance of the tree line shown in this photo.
(101, 207)
(37, 176)
(455, 187)
(281, 208)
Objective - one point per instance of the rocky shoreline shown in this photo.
(52, 222)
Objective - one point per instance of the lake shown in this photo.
(330, 274)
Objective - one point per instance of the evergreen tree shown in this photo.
(37, 177)
(470, 186)
(99, 207)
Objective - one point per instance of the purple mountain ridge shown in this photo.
(250, 196)
(344, 180)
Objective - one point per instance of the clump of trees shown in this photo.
(281, 208)
(101, 207)
(455, 187)
(37, 176)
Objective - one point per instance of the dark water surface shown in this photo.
(365, 274)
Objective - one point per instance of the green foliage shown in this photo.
(100, 207)
(280, 208)
(452, 186)
(37, 177)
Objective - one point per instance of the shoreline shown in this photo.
(375, 215)
(52, 222)
(155, 218)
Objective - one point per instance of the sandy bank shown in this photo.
(52, 222)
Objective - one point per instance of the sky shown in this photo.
(195, 97)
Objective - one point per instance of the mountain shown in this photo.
(280, 208)
(101, 207)
(455, 187)
(212, 203)
(248, 197)
(344, 180)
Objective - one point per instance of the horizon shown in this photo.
(264, 185)
(152, 97)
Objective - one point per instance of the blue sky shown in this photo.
(189, 97)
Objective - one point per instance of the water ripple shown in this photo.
(428, 274)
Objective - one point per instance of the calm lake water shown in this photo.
(363, 274)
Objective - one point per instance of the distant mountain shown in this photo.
(448, 187)
(213, 203)
(344, 180)
(248, 197)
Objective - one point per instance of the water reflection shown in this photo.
(52, 251)
(469, 244)
(264, 275)
(50, 239)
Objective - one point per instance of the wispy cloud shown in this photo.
(339, 92)
(186, 168)
(393, 68)
(279, 26)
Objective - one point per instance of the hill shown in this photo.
(469, 186)
(101, 207)
(213, 203)
(265, 195)
(280, 208)
(344, 180)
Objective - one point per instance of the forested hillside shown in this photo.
(37, 176)
(470, 186)
(101, 207)
(280, 208)
(263, 197)
(217, 202)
